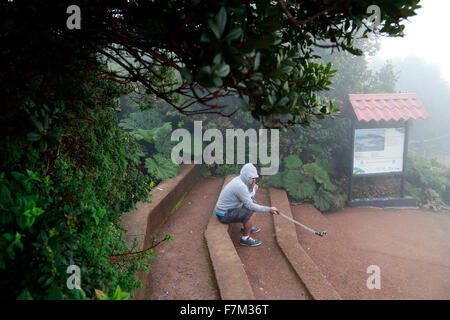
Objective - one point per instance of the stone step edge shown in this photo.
(311, 276)
(232, 280)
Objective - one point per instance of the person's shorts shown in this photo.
(236, 215)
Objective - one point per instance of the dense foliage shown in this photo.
(429, 183)
(307, 182)
(262, 50)
(67, 173)
(153, 136)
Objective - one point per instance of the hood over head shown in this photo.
(248, 171)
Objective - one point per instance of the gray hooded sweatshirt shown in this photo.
(236, 193)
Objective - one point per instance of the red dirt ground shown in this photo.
(182, 269)
(411, 247)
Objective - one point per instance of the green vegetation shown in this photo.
(179, 203)
(60, 204)
(306, 182)
(190, 53)
(429, 183)
(68, 172)
(153, 137)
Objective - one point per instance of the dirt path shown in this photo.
(181, 269)
(411, 247)
(268, 271)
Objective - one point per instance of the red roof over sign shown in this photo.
(387, 106)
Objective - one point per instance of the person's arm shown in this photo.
(244, 196)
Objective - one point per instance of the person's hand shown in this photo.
(273, 210)
(255, 187)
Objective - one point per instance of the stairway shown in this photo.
(269, 272)
(277, 269)
(205, 260)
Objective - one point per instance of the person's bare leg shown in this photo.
(249, 225)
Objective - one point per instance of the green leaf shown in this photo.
(286, 69)
(146, 135)
(257, 76)
(217, 81)
(292, 162)
(284, 101)
(223, 71)
(33, 136)
(221, 20)
(323, 199)
(298, 186)
(25, 295)
(206, 70)
(205, 37)
(38, 125)
(161, 167)
(214, 29)
(5, 197)
(77, 294)
(8, 236)
(276, 180)
(217, 59)
(234, 34)
(162, 141)
(319, 175)
(257, 61)
(55, 293)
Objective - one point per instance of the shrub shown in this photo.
(429, 183)
(65, 179)
(307, 182)
(153, 137)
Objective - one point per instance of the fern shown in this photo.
(276, 180)
(146, 120)
(226, 169)
(162, 141)
(145, 134)
(326, 164)
(320, 175)
(160, 167)
(292, 162)
(298, 186)
(323, 199)
(150, 135)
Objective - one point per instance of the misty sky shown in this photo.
(426, 35)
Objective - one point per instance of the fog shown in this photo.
(420, 60)
(430, 137)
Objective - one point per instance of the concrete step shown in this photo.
(309, 272)
(270, 274)
(230, 275)
(262, 272)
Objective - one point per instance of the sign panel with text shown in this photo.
(378, 150)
